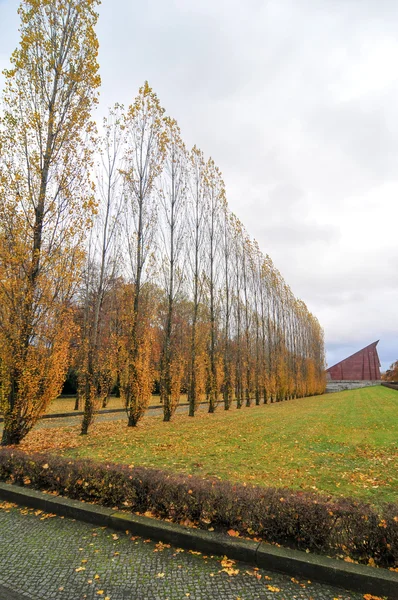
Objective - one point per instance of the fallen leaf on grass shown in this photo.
(38, 440)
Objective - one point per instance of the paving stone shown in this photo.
(51, 558)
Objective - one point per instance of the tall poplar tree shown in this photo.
(45, 199)
(172, 192)
(143, 163)
(196, 213)
(214, 197)
(95, 368)
(227, 242)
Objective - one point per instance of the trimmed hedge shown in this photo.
(297, 519)
(393, 385)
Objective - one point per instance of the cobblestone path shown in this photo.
(44, 557)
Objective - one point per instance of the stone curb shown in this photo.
(358, 578)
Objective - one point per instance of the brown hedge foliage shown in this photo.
(303, 520)
(392, 385)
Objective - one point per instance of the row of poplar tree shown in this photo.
(119, 255)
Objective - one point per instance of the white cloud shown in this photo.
(297, 103)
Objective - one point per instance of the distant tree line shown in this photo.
(138, 275)
(392, 373)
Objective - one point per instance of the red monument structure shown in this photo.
(364, 365)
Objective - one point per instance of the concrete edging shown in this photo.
(358, 578)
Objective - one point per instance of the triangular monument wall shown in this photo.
(364, 365)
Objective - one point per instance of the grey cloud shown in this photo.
(260, 86)
(343, 282)
(363, 135)
(289, 236)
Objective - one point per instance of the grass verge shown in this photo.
(342, 444)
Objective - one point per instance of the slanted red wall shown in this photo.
(363, 365)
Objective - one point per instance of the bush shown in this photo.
(302, 520)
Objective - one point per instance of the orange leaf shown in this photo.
(233, 533)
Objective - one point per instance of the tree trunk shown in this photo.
(12, 436)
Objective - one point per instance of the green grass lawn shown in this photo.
(344, 444)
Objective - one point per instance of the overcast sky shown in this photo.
(297, 102)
